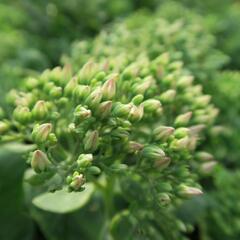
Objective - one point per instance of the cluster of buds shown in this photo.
(126, 107)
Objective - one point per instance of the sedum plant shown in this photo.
(125, 124)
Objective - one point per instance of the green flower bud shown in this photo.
(181, 133)
(81, 92)
(162, 133)
(175, 65)
(94, 98)
(202, 101)
(91, 141)
(180, 144)
(41, 132)
(162, 163)
(152, 105)
(185, 81)
(183, 119)
(85, 160)
(4, 126)
(122, 110)
(189, 191)
(31, 83)
(72, 84)
(87, 72)
(141, 88)
(164, 199)
(204, 156)
(168, 96)
(120, 133)
(163, 59)
(137, 99)
(52, 139)
(40, 161)
(40, 110)
(136, 113)
(104, 109)
(56, 92)
(81, 113)
(94, 170)
(109, 88)
(153, 152)
(22, 114)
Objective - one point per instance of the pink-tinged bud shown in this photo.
(91, 141)
(141, 88)
(41, 132)
(109, 88)
(183, 119)
(168, 96)
(77, 181)
(136, 113)
(81, 113)
(40, 161)
(134, 147)
(94, 98)
(40, 110)
(72, 84)
(162, 163)
(162, 133)
(208, 167)
(87, 72)
(104, 109)
(195, 130)
(190, 191)
(204, 156)
(163, 59)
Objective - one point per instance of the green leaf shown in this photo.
(63, 201)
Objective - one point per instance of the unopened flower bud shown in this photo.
(202, 101)
(77, 181)
(56, 92)
(81, 113)
(185, 81)
(208, 167)
(4, 126)
(52, 139)
(72, 84)
(84, 160)
(122, 110)
(94, 170)
(137, 99)
(162, 163)
(41, 132)
(179, 144)
(176, 65)
(134, 146)
(109, 88)
(40, 161)
(136, 113)
(181, 132)
(152, 105)
(189, 191)
(153, 152)
(104, 109)
(168, 96)
(40, 110)
(183, 119)
(204, 156)
(22, 114)
(91, 141)
(94, 98)
(162, 133)
(81, 92)
(164, 199)
(87, 72)
(141, 88)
